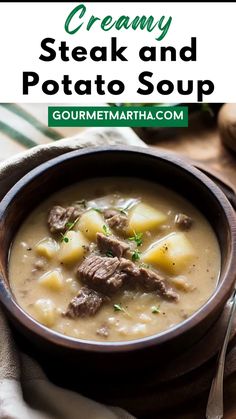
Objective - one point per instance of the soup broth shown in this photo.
(114, 259)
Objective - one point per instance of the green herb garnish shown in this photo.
(119, 307)
(106, 230)
(137, 238)
(64, 238)
(135, 255)
(69, 226)
(109, 254)
(155, 309)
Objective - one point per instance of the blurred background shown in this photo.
(209, 140)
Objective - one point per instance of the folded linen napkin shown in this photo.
(25, 392)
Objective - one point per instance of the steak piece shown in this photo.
(116, 220)
(86, 303)
(148, 280)
(109, 213)
(109, 244)
(151, 281)
(101, 273)
(183, 222)
(108, 275)
(60, 216)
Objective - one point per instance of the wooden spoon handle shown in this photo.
(215, 405)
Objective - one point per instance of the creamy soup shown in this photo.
(114, 259)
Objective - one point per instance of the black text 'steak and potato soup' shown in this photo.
(114, 259)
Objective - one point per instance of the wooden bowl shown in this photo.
(157, 166)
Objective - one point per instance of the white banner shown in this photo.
(117, 52)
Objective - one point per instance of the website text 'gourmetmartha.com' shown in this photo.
(162, 116)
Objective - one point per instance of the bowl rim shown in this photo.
(221, 293)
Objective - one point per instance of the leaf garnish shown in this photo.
(69, 226)
(155, 309)
(136, 255)
(137, 238)
(64, 238)
(109, 254)
(106, 230)
(119, 307)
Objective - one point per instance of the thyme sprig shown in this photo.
(136, 255)
(119, 307)
(70, 226)
(155, 309)
(137, 238)
(106, 230)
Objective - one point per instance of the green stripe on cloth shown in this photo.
(16, 135)
(49, 132)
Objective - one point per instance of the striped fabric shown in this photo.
(23, 126)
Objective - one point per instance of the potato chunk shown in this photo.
(45, 311)
(74, 249)
(144, 218)
(90, 223)
(172, 253)
(47, 248)
(52, 280)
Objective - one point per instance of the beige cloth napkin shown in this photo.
(25, 392)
